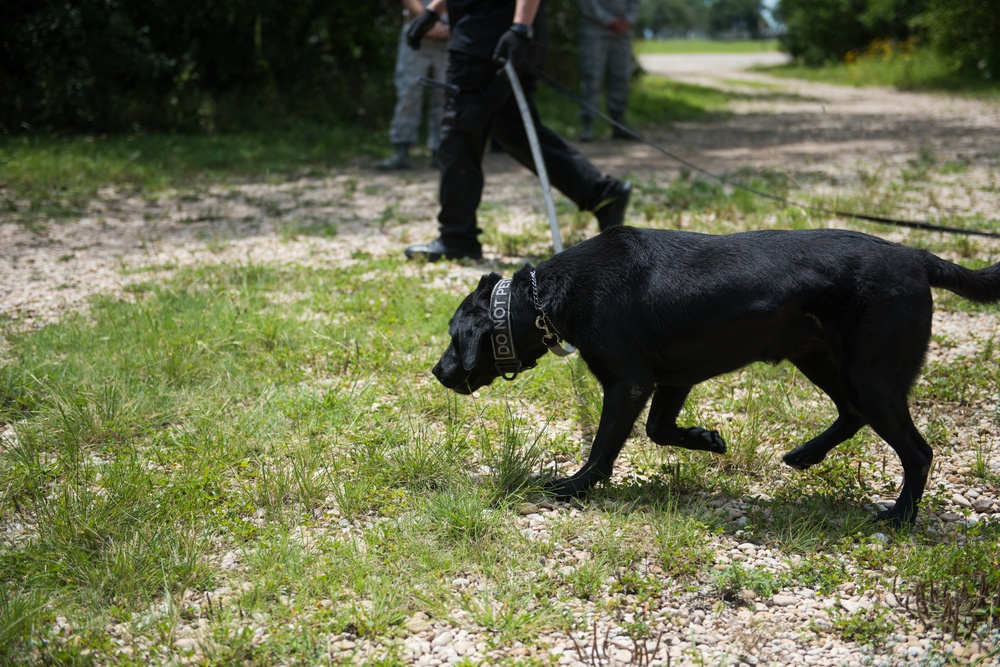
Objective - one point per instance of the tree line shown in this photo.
(967, 32)
(214, 65)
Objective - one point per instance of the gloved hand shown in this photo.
(513, 46)
(420, 27)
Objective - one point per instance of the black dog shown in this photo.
(655, 312)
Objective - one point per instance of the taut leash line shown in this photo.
(913, 224)
(536, 154)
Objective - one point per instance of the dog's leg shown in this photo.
(622, 404)
(662, 428)
(895, 426)
(822, 371)
(812, 452)
(885, 365)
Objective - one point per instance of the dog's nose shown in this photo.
(437, 372)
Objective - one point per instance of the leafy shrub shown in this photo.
(823, 31)
(967, 31)
(114, 65)
(109, 65)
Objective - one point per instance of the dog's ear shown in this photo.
(486, 285)
(470, 341)
(477, 323)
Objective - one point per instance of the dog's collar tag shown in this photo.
(504, 356)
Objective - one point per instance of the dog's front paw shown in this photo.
(564, 489)
(801, 458)
(703, 439)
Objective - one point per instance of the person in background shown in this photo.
(410, 66)
(485, 34)
(606, 53)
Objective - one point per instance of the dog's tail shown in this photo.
(981, 285)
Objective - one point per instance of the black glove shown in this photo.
(513, 46)
(419, 27)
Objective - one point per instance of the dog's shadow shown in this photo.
(791, 521)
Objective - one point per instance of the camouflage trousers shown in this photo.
(604, 55)
(430, 61)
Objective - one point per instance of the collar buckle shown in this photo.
(551, 337)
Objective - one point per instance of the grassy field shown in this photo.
(926, 74)
(55, 177)
(683, 46)
(895, 64)
(249, 464)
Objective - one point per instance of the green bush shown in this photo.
(113, 65)
(823, 31)
(965, 30)
(102, 66)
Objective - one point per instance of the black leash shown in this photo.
(912, 224)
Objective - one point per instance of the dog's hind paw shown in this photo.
(794, 462)
(898, 520)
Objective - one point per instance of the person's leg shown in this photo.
(619, 78)
(438, 62)
(465, 127)
(592, 67)
(569, 170)
(406, 115)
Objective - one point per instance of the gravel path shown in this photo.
(799, 128)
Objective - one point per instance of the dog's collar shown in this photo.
(504, 356)
(550, 335)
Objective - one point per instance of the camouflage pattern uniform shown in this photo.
(430, 61)
(605, 53)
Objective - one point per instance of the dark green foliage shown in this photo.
(966, 30)
(125, 65)
(821, 31)
(110, 65)
(728, 18)
(563, 61)
(818, 31)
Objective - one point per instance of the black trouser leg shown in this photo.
(466, 126)
(485, 105)
(569, 170)
(461, 157)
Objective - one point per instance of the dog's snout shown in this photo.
(451, 376)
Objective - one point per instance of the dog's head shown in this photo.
(467, 364)
(469, 361)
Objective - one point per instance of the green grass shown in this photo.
(45, 178)
(251, 446)
(686, 46)
(894, 65)
(653, 101)
(55, 177)
(212, 415)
